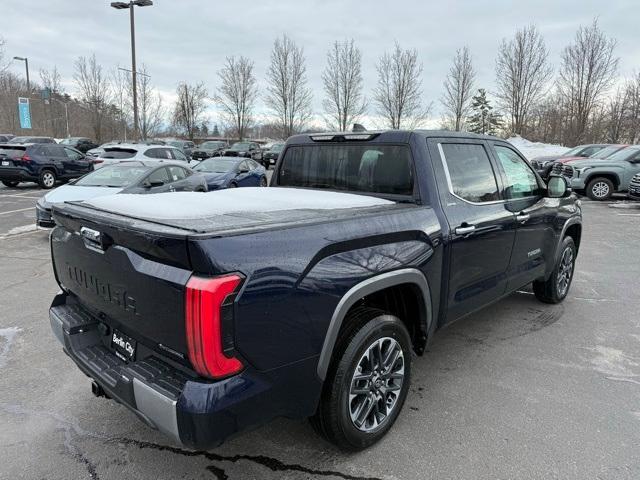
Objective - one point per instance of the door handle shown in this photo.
(522, 217)
(465, 230)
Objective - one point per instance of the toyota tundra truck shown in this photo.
(308, 299)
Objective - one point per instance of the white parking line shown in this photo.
(16, 196)
(629, 214)
(15, 211)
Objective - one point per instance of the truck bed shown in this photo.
(221, 213)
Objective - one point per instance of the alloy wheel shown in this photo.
(600, 190)
(565, 271)
(48, 179)
(376, 384)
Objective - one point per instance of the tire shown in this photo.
(266, 165)
(337, 418)
(10, 183)
(233, 185)
(47, 179)
(263, 182)
(556, 287)
(600, 189)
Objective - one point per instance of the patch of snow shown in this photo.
(193, 205)
(8, 334)
(532, 150)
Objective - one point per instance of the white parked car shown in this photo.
(124, 152)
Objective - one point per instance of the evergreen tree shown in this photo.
(216, 132)
(483, 119)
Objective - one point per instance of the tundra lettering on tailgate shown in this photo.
(109, 293)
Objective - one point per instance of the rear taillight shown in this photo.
(96, 160)
(25, 158)
(208, 306)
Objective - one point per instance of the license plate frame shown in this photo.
(123, 346)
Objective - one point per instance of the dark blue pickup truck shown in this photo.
(308, 298)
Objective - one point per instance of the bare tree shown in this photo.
(615, 114)
(588, 68)
(51, 79)
(633, 108)
(344, 102)
(190, 106)
(288, 95)
(522, 75)
(237, 94)
(94, 90)
(398, 95)
(121, 85)
(458, 88)
(151, 111)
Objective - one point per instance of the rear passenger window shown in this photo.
(470, 174)
(521, 181)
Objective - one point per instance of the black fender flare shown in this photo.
(606, 174)
(571, 221)
(362, 289)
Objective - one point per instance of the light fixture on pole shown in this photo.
(134, 86)
(26, 64)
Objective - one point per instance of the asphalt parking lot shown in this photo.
(520, 390)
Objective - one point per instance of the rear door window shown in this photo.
(469, 172)
(370, 168)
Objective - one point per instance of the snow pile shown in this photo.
(232, 201)
(532, 150)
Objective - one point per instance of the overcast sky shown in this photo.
(187, 40)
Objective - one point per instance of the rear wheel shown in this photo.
(600, 189)
(47, 179)
(367, 382)
(556, 287)
(263, 182)
(233, 185)
(10, 183)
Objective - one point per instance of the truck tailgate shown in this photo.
(126, 278)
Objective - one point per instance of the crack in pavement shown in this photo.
(71, 428)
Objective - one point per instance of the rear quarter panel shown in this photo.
(295, 277)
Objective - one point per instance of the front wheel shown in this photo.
(556, 287)
(600, 189)
(367, 382)
(10, 183)
(263, 182)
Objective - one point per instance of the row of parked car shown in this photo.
(596, 170)
(43, 160)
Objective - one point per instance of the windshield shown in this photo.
(18, 140)
(240, 146)
(607, 152)
(212, 145)
(352, 167)
(175, 143)
(113, 176)
(216, 165)
(624, 154)
(573, 152)
(277, 147)
(69, 141)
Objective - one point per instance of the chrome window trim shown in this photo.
(450, 184)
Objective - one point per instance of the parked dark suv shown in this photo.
(42, 163)
(80, 143)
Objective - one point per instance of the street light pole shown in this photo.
(26, 64)
(134, 86)
(133, 72)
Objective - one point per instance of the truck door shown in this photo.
(525, 196)
(482, 229)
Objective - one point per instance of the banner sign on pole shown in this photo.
(24, 112)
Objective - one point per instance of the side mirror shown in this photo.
(155, 183)
(558, 187)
